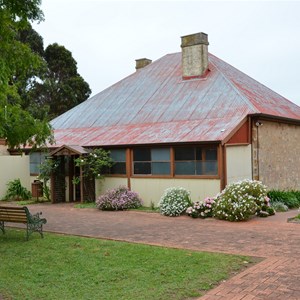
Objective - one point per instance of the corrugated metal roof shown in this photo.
(154, 105)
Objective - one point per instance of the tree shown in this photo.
(16, 61)
(62, 87)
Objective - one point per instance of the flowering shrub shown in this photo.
(174, 201)
(240, 200)
(118, 199)
(201, 209)
(265, 208)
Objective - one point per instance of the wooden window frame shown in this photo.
(126, 165)
(133, 175)
(172, 174)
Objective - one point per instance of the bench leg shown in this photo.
(2, 226)
(34, 228)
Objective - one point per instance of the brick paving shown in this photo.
(277, 276)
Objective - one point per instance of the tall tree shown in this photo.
(16, 60)
(62, 87)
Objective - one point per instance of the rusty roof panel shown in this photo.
(154, 105)
(172, 132)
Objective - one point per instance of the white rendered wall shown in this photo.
(238, 163)
(11, 168)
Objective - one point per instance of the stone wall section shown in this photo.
(276, 154)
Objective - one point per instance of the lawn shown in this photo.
(69, 267)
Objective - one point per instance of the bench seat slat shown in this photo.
(13, 213)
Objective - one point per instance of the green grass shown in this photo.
(25, 202)
(68, 267)
(85, 205)
(297, 217)
(146, 209)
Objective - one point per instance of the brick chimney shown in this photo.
(142, 62)
(194, 55)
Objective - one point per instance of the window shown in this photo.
(152, 161)
(196, 161)
(119, 158)
(36, 159)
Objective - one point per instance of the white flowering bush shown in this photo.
(240, 200)
(174, 201)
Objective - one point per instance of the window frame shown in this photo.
(108, 174)
(172, 174)
(151, 162)
(203, 155)
(37, 164)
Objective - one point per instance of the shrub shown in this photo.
(118, 199)
(240, 200)
(202, 209)
(174, 201)
(16, 191)
(279, 206)
(290, 198)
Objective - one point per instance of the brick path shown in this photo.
(275, 240)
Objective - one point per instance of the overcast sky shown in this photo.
(260, 38)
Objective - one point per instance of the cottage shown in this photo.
(187, 119)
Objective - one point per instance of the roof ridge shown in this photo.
(245, 99)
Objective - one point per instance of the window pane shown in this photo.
(141, 154)
(185, 153)
(160, 154)
(118, 168)
(210, 154)
(36, 159)
(211, 168)
(199, 153)
(200, 168)
(34, 168)
(162, 168)
(207, 168)
(185, 168)
(142, 168)
(118, 154)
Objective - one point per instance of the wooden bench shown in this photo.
(22, 215)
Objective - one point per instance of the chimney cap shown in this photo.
(194, 39)
(142, 62)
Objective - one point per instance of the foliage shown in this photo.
(32, 87)
(46, 169)
(95, 163)
(112, 270)
(297, 217)
(202, 209)
(60, 87)
(174, 201)
(240, 200)
(279, 206)
(118, 199)
(16, 191)
(16, 62)
(290, 198)
(19, 127)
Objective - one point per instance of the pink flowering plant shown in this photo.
(202, 209)
(119, 199)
